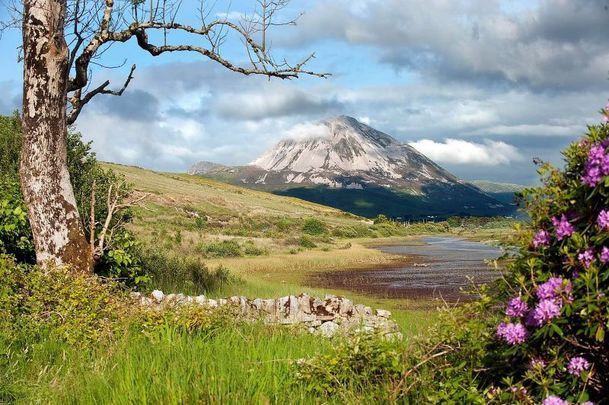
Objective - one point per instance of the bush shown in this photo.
(15, 232)
(355, 366)
(182, 274)
(250, 249)
(55, 303)
(123, 263)
(313, 226)
(542, 336)
(225, 248)
(307, 243)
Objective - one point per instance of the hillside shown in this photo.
(346, 164)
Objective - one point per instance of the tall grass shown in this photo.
(243, 364)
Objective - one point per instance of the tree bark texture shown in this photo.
(56, 226)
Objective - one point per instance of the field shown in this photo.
(270, 245)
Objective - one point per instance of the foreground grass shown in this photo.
(243, 364)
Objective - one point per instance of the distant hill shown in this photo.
(504, 192)
(346, 164)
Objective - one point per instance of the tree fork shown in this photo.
(56, 226)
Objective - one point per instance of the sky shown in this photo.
(480, 86)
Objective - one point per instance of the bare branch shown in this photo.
(79, 102)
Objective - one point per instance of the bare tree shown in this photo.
(62, 42)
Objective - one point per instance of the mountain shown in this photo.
(346, 164)
(204, 167)
(504, 192)
(494, 187)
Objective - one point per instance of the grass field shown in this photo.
(187, 215)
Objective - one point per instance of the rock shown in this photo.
(328, 329)
(135, 295)
(212, 303)
(158, 295)
(200, 299)
(346, 307)
(222, 302)
(383, 313)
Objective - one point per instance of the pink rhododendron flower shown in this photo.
(516, 307)
(512, 333)
(562, 227)
(586, 258)
(605, 254)
(554, 400)
(578, 365)
(603, 219)
(541, 238)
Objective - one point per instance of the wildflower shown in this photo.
(542, 238)
(512, 333)
(603, 219)
(586, 257)
(596, 166)
(516, 307)
(546, 310)
(554, 400)
(605, 254)
(577, 365)
(537, 363)
(562, 227)
(553, 287)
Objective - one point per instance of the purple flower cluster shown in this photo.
(605, 254)
(516, 307)
(578, 365)
(537, 363)
(541, 238)
(596, 167)
(553, 288)
(562, 227)
(512, 333)
(587, 257)
(546, 310)
(603, 219)
(554, 400)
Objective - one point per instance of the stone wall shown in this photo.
(326, 317)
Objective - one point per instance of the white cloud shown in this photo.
(457, 151)
(307, 131)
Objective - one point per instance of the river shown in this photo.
(438, 267)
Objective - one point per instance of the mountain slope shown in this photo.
(346, 164)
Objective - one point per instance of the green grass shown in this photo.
(236, 365)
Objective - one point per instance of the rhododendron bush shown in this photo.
(552, 344)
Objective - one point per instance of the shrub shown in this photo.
(15, 233)
(250, 249)
(550, 339)
(225, 248)
(356, 365)
(307, 243)
(123, 262)
(56, 303)
(313, 226)
(182, 274)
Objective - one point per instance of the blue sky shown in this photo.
(480, 86)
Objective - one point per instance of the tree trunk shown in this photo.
(56, 226)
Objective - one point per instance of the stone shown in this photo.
(212, 303)
(383, 313)
(200, 299)
(135, 295)
(328, 329)
(346, 307)
(222, 302)
(304, 303)
(158, 295)
(269, 306)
